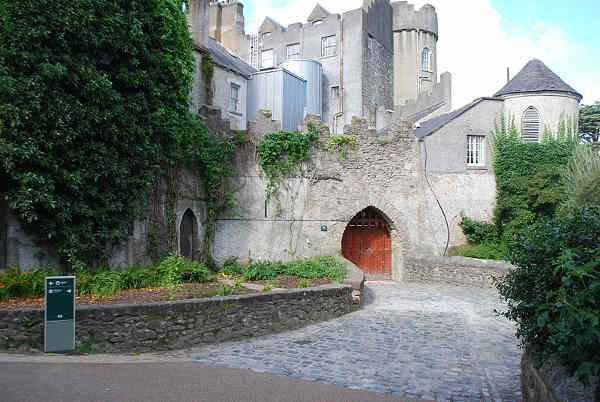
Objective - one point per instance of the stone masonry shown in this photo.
(181, 324)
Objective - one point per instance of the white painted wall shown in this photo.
(222, 80)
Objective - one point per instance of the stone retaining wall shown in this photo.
(550, 383)
(460, 271)
(181, 324)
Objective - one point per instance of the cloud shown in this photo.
(474, 44)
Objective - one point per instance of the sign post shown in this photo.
(59, 319)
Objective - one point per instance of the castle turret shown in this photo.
(415, 50)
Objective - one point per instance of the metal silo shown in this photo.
(312, 72)
(280, 91)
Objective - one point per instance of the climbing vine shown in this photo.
(282, 153)
(208, 70)
(342, 144)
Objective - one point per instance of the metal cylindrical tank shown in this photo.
(312, 72)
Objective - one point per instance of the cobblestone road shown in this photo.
(431, 341)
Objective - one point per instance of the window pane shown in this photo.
(234, 98)
(328, 46)
(267, 58)
(475, 150)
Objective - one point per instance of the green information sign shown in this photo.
(59, 328)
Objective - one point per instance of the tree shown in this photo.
(92, 96)
(589, 122)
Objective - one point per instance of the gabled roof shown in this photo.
(536, 77)
(269, 24)
(222, 58)
(318, 13)
(429, 127)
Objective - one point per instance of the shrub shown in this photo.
(106, 83)
(175, 269)
(304, 283)
(486, 251)
(581, 178)
(554, 294)
(479, 232)
(30, 283)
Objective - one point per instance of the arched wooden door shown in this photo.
(368, 244)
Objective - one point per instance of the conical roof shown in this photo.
(536, 77)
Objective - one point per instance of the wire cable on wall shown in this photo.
(438, 202)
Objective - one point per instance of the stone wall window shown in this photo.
(426, 59)
(234, 98)
(370, 42)
(328, 46)
(267, 59)
(475, 150)
(530, 125)
(292, 51)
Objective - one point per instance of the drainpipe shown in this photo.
(341, 112)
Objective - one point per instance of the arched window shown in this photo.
(426, 59)
(530, 125)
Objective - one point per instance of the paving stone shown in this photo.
(433, 341)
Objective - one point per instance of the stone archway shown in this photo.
(188, 233)
(367, 243)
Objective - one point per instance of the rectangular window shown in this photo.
(234, 98)
(370, 42)
(475, 150)
(328, 46)
(292, 51)
(266, 35)
(266, 59)
(335, 92)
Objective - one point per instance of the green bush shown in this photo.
(554, 294)
(316, 267)
(581, 177)
(105, 82)
(479, 232)
(30, 283)
(486, 251)
(176, 269)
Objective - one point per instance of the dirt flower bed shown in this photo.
(135, 296)
(292, 282)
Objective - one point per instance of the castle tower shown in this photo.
(415, 50)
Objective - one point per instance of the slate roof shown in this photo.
(431, 126)
(222, 58)
(536, 77)
(425, 112)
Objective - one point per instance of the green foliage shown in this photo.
(581, 178)
(316, 267)
(589, 122)
(224, 290)
(304, 283)
(208, 70)
(176, 269)
(554, 293)
(529, 186)
(92, 94)
(487, 251)
(478, 232)
(30, 283)
(282, 153)
(342, 144)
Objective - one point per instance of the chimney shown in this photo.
(198, 21)
(507, 74)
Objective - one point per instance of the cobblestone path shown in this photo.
(430, 341)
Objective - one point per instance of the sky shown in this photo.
(479, 39)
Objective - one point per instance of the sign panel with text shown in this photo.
(59, 319)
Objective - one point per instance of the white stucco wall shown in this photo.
(222, 80)
(553, 108)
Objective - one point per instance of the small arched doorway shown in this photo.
(368, 244)
(187, 234)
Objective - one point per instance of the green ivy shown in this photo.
(282, 153)
(342, 144)
(208, 70)
(94, 105)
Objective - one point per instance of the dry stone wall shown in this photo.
(182, 324)
(460, 271)
(550, 383)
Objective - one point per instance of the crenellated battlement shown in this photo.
(406, 18)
